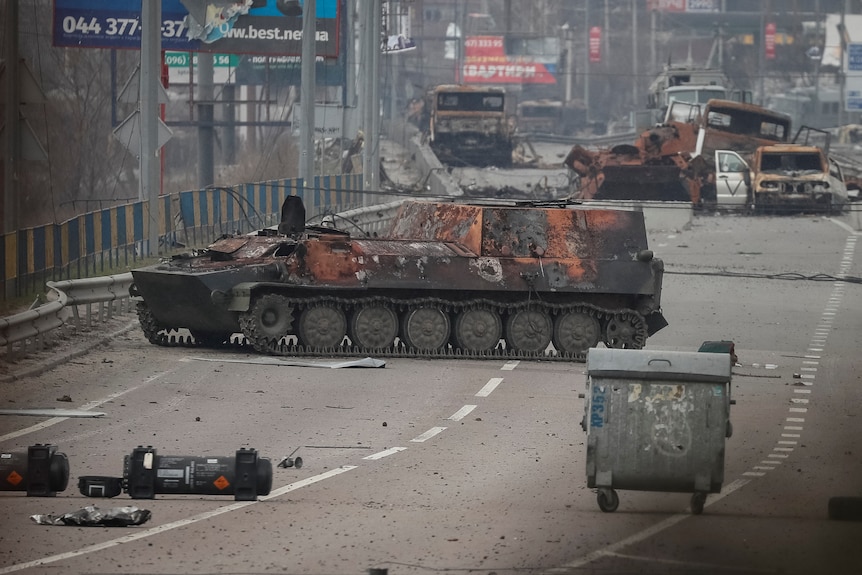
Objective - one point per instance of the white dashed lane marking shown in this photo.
(428, 434)
(490, 387)
(462, 413)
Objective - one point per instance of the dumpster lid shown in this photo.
(650, 364)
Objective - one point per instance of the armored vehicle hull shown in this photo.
(448, 279)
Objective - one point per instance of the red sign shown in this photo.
(595, 44)
(666, 5)
(769, 41)
(486, 62)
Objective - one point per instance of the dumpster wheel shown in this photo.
(697, 502)
(608, 500)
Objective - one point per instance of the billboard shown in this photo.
(853, 78)
(486, 62)
(684, 5)
(263, 30)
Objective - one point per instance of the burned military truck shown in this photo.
(468, 125)
(447, 280)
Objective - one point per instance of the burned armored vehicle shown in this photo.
(446, 280)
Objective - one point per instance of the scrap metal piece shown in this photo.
(93, 516)
(364, 362)
(290, 461)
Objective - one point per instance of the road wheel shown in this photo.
(425, 329)
(269, 319)
(478, 329)
(529, 330)
(576, 332)
(322, 326)
(373, 326)
(626, 330)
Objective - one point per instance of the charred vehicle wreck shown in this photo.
(675, 161)
(447, 280)
(467, 125)
(784, 178)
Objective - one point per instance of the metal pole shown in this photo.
(587, 60)
(762, 58)
(635, 68)
(306, 96)
(820, 26)
(151, 40)
(229, 107)
(367, 97)
(348, 98)
(461, 42)
(570, 62)
(843, 68)
(13, 126)
(374, 43)
(652, 51)
(206, 95)
(392, 28)
(721, 37)
(606, 55)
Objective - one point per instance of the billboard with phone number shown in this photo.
(486, 62)
(263, 30)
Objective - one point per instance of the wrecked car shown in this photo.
(781, 178)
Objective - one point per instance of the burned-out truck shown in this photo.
(468, 125)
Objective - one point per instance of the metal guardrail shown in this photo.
(370, 220)
(71, 305)
(81, 304)
(606, 141)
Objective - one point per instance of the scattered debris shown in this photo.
(290, 461)
(365, 362)
(93, 516)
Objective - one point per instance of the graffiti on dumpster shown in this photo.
(665, 411)
(597, 407)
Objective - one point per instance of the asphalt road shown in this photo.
(427, 466)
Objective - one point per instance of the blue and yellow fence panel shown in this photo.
(106, 238)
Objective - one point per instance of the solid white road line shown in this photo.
(384, 453)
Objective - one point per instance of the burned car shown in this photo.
(782, 178)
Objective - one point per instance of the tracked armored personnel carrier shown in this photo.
(446, 280)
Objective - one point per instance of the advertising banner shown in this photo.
(853, 78)
(286, 71)
(684, 5)
(182, 67)
(263, 30)
(486, 62)
(595, 44)
(769, 41)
